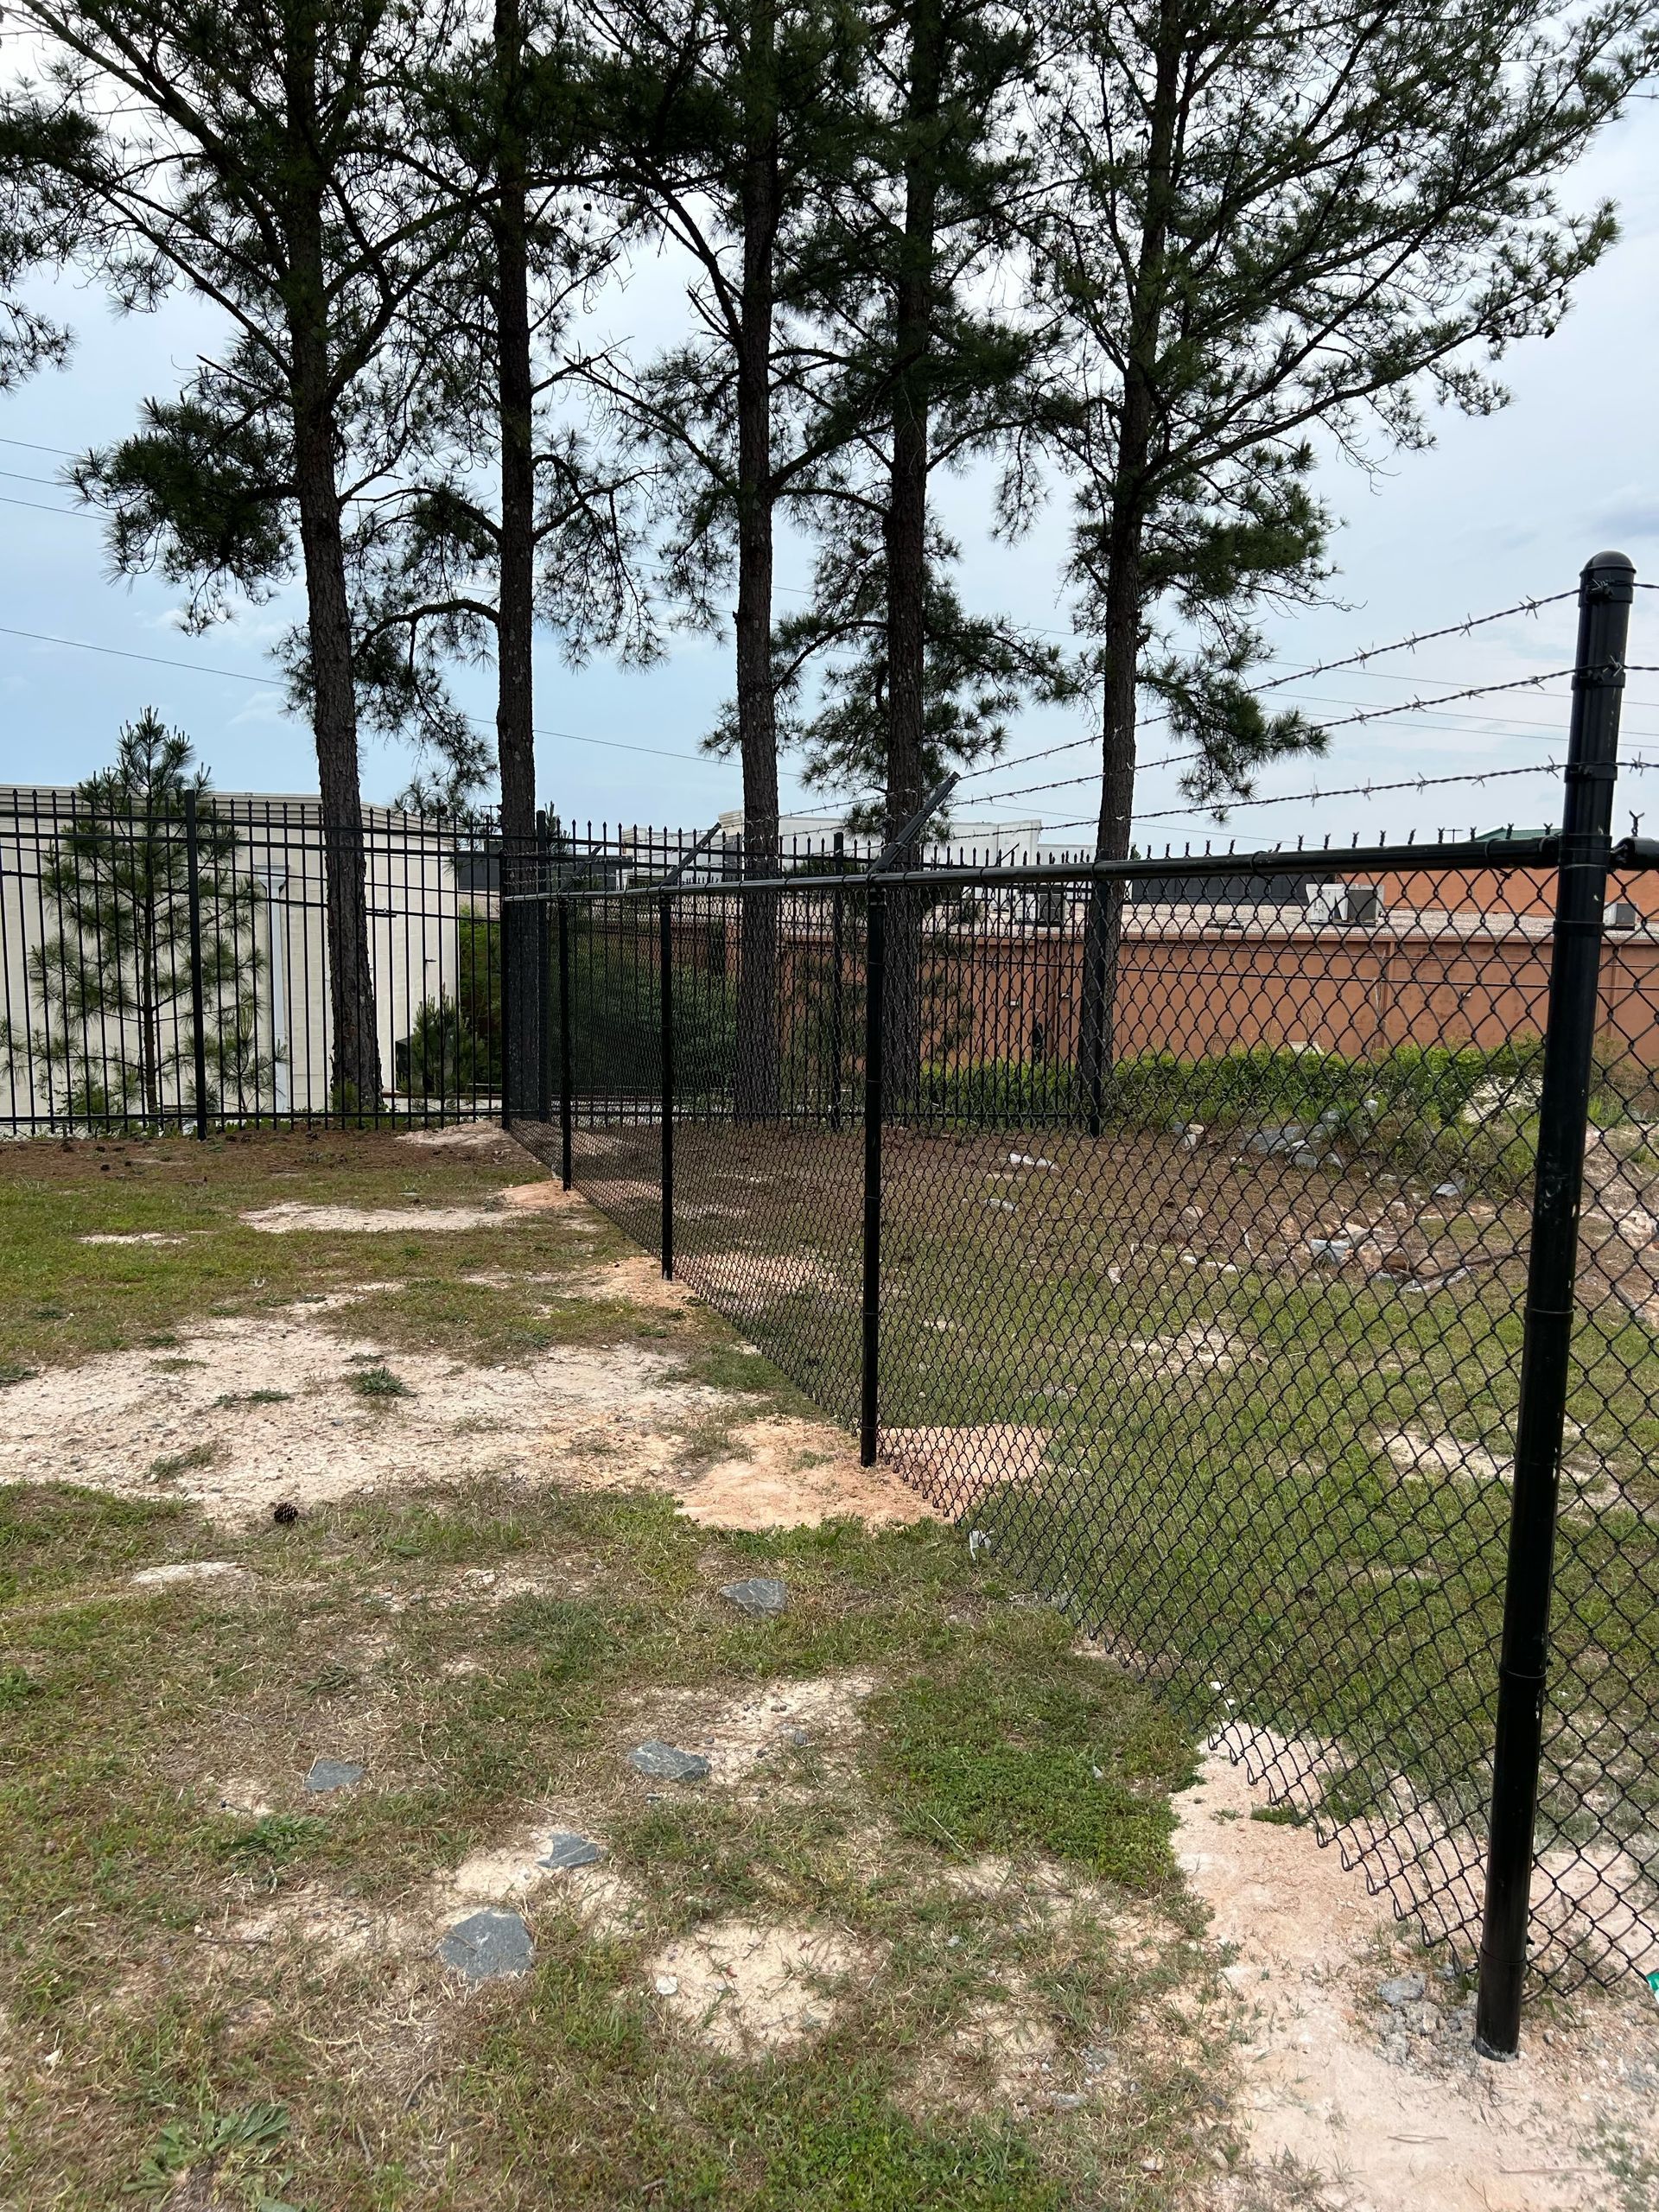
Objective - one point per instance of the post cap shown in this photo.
(1608, 578)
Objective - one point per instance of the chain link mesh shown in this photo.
(1206, 1204)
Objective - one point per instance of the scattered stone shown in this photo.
(566, 1852)
(334, 1774)
(1402, 1989)
(1448, 1190)
(662, 1762)
(979, 1540)
(1067, 2101)
(1331, 1251)
(667, 1984)
(1290, 1137)
(762, 1596)
(488, 1944)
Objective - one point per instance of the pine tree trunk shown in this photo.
(1104, 925)
(907, 548)
(1123, 609)
(355, 1071)
(755, 1089)
(515, 607)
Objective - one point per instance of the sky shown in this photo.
(1501, 510)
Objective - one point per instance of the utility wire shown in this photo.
(240, 676)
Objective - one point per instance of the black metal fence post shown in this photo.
(566, 1071)
(507, 981)
(837, 984)
(198, 1007)
(875, 1010)
(665, 997)
(1606, 587)
(543, 979)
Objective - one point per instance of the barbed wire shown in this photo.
(1367, 790)
(1319, 669)
(1345, 721)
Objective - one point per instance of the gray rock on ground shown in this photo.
(662, 1762)
(762, 1597)
(486, 1945)
(1403, 1989)
(334, 1774)
(567, 1850)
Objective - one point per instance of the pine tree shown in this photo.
(724, 122)
(268, 160)
(930, 372)
(1258, 222)
(113, 1035)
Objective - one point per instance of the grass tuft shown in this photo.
(172, 1465)
(378, 1382)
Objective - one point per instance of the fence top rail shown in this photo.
(1629, 855)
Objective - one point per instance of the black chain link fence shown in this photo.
(1206, 1197)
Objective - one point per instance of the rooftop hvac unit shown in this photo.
(1347, 904)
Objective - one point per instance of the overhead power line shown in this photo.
(241, 676)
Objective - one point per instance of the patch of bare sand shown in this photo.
(333, 1930)
(638, 1279)
(510, 1206)
(189, 1570)
(1005, 2039)
(791, 1473)
(748, 1284)
(1425, 1458)
(739, 1734)
(954, 1468)
(745, 1989)
(130, 1236)
(1195, 1348)
(616, 1414)
(478, 1140)
(605, 1902)
(605, 1418)
(1322, 2084)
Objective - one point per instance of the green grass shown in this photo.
(132, 1707)
(377, 1381)
(172, 1465)
(62, 1300)
(992, 1757)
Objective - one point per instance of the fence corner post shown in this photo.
(666, 999)
(1605, 590)
(198, 997)
(875, 966)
